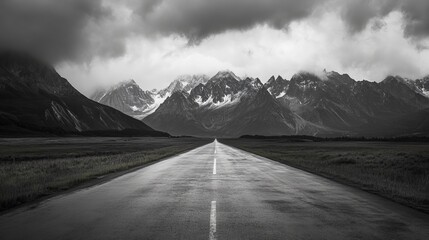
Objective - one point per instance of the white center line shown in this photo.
(214, 166)
(212, 234)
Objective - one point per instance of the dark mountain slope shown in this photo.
(33, 96)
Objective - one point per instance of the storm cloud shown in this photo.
(416, 13)
(198, 19)
(358, 13)
(55, 30)
(79, 30)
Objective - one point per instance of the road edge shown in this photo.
(98, 180)
(340, 181)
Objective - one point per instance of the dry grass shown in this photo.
(26, 180)
(399, 171)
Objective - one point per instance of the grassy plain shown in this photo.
(399, 171)
(31, 168)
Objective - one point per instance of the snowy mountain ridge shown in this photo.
(227, 105)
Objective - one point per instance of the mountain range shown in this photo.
(330, 104)
(35, 100)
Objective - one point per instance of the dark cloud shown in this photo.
(79, 30)
(55, 30)
(198, 19)
(417, 16)
(358, 13)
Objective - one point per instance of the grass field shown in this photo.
(399, 171)
(31, 168)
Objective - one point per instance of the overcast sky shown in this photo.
(93, 42)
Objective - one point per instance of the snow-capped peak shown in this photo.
(184, 83)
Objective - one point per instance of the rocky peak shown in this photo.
(127, 97)
(337, 78)
(227, 74)
(124, 84)
(184, 83)
(175, 86)
(271, 80)
(252, 83)
(277, 86)
(393, 80)
(279, 79)
(304, 77)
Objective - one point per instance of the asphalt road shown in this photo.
(216, 192)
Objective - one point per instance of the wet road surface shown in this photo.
(216, 192)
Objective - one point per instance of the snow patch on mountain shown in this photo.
(65, 115)
(183, 83)
(307, 84)
(227, 100)
(255, 83)
(282, 94)
(158, 100)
